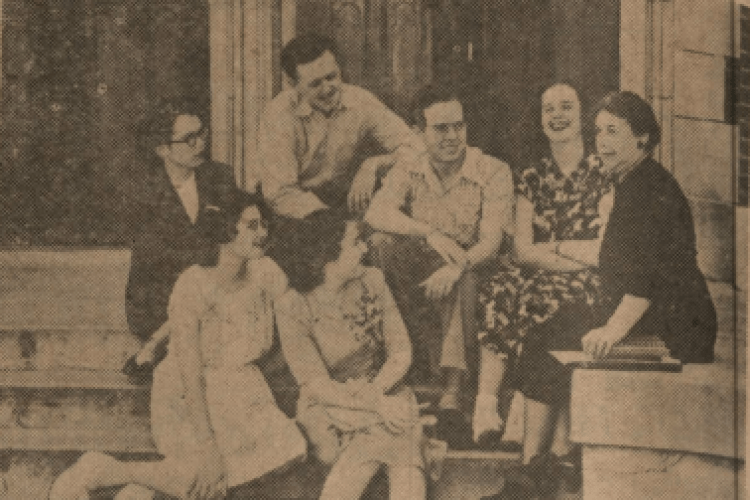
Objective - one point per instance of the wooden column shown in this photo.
(243, 37)
(647, 62)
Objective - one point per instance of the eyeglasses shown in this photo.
(191, 139)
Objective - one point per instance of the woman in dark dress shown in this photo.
(649, 276)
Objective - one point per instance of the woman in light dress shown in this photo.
(348, 348)
(213, 416)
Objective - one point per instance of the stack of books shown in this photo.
(644, 353)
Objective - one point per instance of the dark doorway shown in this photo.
(500, 52)
(78, 77)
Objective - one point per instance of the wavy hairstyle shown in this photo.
(307, 245)
(637, 112)
(535, 144)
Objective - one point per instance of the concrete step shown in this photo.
(465, 476)
(44, 349)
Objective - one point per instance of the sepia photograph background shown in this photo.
(80, 76)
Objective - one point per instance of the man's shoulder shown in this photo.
(491, 169)
(355, 96)
(281, 105)
(216, 167)
(415, 167)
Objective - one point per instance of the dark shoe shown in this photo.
(143, 374)
(138, 374)
(493, 441)
(569, 470)
(454, 428)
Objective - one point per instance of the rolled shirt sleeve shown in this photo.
(497, 202)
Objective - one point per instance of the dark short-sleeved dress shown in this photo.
(515, 299)
(648, 250)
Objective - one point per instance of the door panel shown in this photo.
(384, 44)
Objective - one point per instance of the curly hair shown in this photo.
(535, 142)
(242, 200)
(305, 246)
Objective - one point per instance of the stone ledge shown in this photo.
(701, 410)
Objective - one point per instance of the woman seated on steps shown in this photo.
(348, 348)
(212, 413)
(650, 283)
(562, 195)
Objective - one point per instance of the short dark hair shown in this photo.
(639, 114)
(158, 128)
(305, 49)
(429, 95)
(535, 142)
(307, 245)
(242, 200)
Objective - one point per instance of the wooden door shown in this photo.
(500, 52)
(384, 44)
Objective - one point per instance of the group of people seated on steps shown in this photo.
(381, 256)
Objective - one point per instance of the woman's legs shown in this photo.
(348, 480)
(96, 470)
(540, 424)
(407, 483)
(561, 444)
(492, 368)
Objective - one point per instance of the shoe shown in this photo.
(75, 482)
(569, 470)
(486, 424)
(143, 374)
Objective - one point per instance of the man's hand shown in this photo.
(210, 476)
(447, 248)
(363, 184)
(442, 281)
(599, 341)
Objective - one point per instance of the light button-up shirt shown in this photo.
(304, 149)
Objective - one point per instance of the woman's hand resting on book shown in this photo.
(599, 341)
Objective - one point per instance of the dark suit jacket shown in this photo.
(165, 242)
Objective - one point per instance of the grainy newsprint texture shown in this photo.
(439, 249)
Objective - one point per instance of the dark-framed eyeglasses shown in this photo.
(191, 139)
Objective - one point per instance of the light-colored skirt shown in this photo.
(359, 436)
(253, 435)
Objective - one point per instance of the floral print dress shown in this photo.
(565, 208)
(352, 333)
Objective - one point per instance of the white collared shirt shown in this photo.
(477, 202)
(188, 193)
(302, 148)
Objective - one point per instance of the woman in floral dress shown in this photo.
(348, 349)
(562, 196)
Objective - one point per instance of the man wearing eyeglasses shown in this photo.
(448, 213)
(175, 217)
(316, 136)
